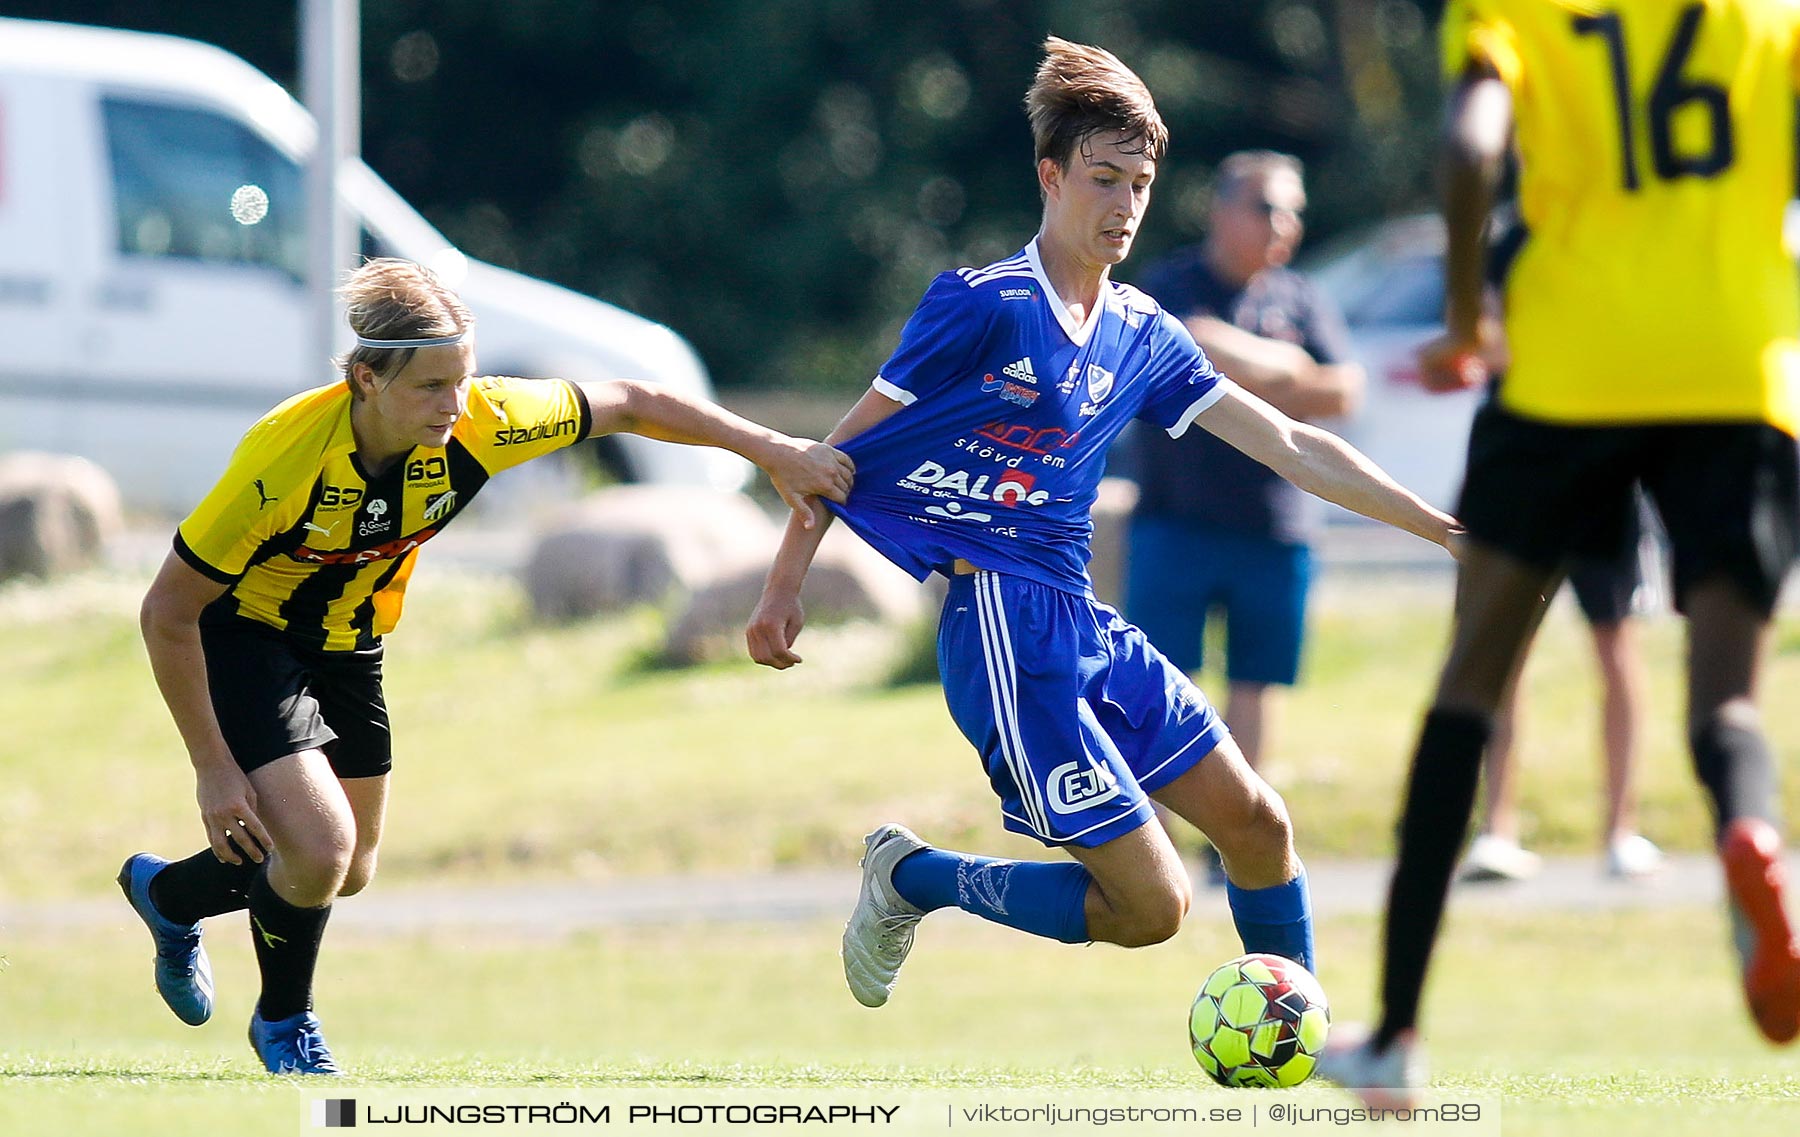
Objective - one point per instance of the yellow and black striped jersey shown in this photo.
(311, 544)
(1657, 155)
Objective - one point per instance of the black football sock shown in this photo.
(189, 890)
(287, 949)
(1440, 796)
(1734, 765)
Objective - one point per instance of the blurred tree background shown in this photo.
(778, 180)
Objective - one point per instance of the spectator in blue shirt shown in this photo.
(1213, 528)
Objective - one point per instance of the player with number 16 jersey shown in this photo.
(1652, 319)
(1655, 167)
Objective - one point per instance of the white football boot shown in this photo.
(1383, 1079)
(880, 930)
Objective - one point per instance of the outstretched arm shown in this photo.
(1321, 463)
(799, 467)
(778, 618)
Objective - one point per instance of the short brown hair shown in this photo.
(393, 299)
(1081, 91)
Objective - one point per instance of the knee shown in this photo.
(1260, 829)
(359, 874)
(1156, 918)
(312, 869)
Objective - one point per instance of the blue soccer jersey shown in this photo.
(1010, 407)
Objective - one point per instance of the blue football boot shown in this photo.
(292, 1045)
(183, 973)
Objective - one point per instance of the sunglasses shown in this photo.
(1270, 209)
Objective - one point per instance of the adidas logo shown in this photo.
(1021, 371)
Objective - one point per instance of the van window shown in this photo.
(176, 170)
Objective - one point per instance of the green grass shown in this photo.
(557, 753)
(560, 752)
(1628, 1019)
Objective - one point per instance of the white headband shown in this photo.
(432, 341)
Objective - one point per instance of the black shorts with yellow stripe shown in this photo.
(1726, 491)
(274, 696)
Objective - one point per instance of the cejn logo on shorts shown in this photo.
(1074, 787)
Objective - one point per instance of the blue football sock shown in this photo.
(1043, 898)
(1276, 919)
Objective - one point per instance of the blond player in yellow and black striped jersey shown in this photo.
(312, 542)
(264, 624)
(1653, 324)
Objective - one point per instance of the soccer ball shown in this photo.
(1259, 1020)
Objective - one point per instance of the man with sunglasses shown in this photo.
(1214, 528)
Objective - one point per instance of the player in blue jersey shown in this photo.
(979, 452)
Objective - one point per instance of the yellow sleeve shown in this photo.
(256, 498)
(1474, 32)
(511, 421)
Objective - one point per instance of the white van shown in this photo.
(1389, 282)
(143, 327)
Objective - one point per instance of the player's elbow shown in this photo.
(161, 616)
(149, 616)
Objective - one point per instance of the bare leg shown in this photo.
(1623, 683)
(1140, 891)
(303, 804)
(305, 809)
(1727, 641)
(368, 805)
(1500, 601)
(1249, 711)
(1239, 813)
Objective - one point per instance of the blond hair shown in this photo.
(393, 299)
(1080, 91)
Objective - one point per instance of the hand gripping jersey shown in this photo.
(997, 455)
(1656, 145)
(312, 545)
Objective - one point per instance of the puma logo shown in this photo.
(319, 528)
(262, 493)
(270, 939)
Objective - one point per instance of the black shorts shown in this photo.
(274, 697)
(1726, 492)
(1606, 588)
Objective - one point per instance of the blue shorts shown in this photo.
(1076, 716)
(1178, 572)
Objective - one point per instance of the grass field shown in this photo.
(1627, 1020)
(521, 750)
(560, 753)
